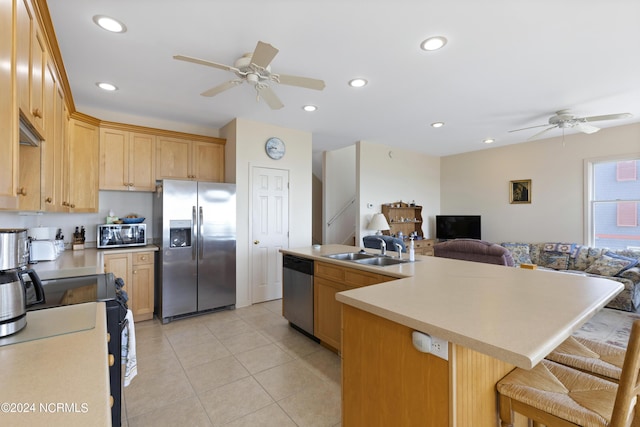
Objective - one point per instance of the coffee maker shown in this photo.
(14, 255)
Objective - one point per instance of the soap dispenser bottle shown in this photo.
(412, 251)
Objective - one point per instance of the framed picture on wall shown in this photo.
(520, 191)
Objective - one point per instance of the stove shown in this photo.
(97, 287)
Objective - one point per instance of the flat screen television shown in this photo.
(457, 227)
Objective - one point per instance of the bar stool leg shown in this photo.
(506, 412)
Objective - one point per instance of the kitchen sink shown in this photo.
(381, 261)
(352, 256)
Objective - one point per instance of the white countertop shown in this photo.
(60, 380)
(80, 263)
(515, 315)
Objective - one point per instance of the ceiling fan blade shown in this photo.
(608, 117)
(530, 127)
(270, 98)
(221, 88)
(204, 62)
(305, 82)
(263, 54)
(586, 128)
(542, 132)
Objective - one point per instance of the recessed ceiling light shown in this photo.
(309, 108)
(433, 43)
(437, 124)
(109, 24)
(106, 86)
(359, 82)
(489, 140)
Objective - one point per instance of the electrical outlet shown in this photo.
(440, 348)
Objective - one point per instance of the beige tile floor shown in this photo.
(243, 367)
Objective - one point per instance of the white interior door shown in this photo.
(270, 231)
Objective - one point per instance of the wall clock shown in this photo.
(274, 148)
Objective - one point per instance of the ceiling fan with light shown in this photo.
(564, 120)
(255, 68)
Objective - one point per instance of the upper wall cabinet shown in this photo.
(31, 54)
(53, 158)
(81, 171)
(8, 111)
(179, 158)
(127, 160)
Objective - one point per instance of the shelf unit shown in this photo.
(407, 219)
(403, 218)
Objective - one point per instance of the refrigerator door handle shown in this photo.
(193, 232)
(200, 234)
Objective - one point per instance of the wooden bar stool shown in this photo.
(558, 396)
(595, 357)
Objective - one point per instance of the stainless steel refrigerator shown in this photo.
(197, 259)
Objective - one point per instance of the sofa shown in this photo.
(373, 242)
(474, 250)
(621, 265)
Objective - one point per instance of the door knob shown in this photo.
(255, 242)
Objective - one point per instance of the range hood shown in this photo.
(28, 135)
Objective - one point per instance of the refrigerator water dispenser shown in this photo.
(180, 233)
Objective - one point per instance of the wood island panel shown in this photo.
(385, 380)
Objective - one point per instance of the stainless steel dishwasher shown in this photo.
(297, 292)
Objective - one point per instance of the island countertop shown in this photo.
(515, 315)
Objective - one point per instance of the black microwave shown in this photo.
(121, 235)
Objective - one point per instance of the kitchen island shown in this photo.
(493, 318)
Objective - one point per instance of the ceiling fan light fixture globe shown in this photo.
(253, 78)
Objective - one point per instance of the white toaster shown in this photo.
(42, 250)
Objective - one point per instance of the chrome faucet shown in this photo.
(383, 246)
(399, 249)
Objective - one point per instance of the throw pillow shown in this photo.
(564, 248)
(555, 260)
(608, 265)
(558, 262)
(632, 261)
(519, 252)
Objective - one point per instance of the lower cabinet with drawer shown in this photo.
(328, 280)
(423, 246)
(137, 269)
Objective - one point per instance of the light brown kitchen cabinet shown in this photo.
(328, 280)
(81, 171)
(179, 158)
(127, 160)
(208, 161)
(8, 112)
(31, 54)
(29, 186)
(53, 158)
(137, 271)
(143, 286)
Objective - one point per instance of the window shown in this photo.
(614, 197)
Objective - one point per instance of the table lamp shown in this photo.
(378, 222)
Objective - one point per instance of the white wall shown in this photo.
(247, 139)
(386, 174)
(339, 188)
(477, 183)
